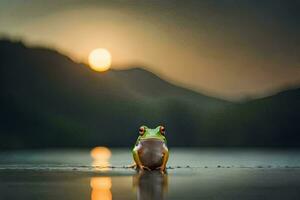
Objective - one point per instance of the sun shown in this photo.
(100, 59)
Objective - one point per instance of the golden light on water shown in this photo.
(101, 156)
(100, 153)
(100, 59)
(101, 188)
(101, 183)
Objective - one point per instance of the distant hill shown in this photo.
(47, 100)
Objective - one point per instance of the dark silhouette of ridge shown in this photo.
(47, 100)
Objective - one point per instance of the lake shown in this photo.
(192, 174)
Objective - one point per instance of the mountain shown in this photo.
(267, 122)
(50, 100)
(47, 100)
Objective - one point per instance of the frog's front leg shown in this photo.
(165, 160)
(137, 159)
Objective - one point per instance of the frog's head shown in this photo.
(152, 134)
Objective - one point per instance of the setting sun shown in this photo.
(100, 59)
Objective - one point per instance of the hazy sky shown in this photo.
(226, 48)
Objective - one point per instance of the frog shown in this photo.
(150, 151)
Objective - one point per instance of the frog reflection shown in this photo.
(150, 185)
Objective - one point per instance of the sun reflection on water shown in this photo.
(101, 188)
(101, 185)
(101, 156)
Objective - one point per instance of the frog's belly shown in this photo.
(151, 153)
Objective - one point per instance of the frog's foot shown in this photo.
(162, 169)
(133, 166)
(142, 167)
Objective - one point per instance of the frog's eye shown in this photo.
(142, 130)
(162, 130)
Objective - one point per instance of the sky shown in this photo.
(227, 48)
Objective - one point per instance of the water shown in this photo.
(191, 174)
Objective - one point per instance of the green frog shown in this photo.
(150, 151)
